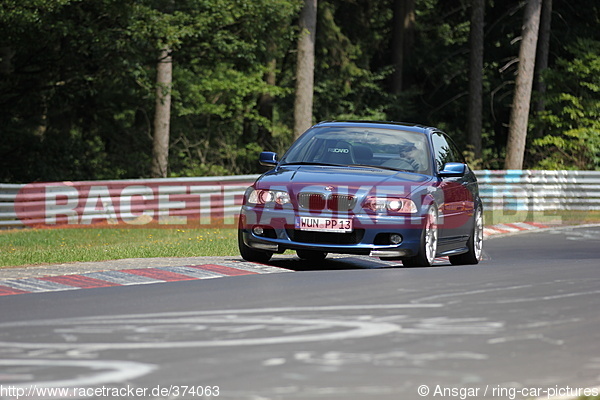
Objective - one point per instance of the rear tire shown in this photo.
(474, 244)
(429, 240)
(249, 254)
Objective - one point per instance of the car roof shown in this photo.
(401, 126)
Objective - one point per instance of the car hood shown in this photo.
(299, 178)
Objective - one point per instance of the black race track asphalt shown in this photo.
(524, 323)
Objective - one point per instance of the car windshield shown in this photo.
(360, 146)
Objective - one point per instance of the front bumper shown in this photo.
(370, 234)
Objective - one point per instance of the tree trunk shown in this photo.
(404, 20)
(543, 52)
(6, 55)
(265, 102)
(162, 116)
(305, 68)
(474, 118)
(519, 117)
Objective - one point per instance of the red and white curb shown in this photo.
(136, 276)
(503, 229)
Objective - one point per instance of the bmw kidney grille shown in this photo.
(320, 201)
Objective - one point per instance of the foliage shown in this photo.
(77, 81)
(572, 117)
(347, 86)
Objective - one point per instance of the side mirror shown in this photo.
(268, 159)
(453, 169)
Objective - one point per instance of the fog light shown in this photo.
(395, 238)
(258, 230)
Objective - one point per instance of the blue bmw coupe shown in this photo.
(388, 190)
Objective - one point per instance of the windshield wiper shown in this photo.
(380, 167)
(347, 165)
(313, 163)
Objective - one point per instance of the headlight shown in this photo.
(398, 205)
(263, 196)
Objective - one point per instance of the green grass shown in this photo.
(55, 246)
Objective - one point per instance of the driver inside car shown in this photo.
(409, 158)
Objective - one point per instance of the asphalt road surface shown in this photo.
(525, 323)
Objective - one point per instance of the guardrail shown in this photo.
(540, 190)
(216, 200)
(166, 202)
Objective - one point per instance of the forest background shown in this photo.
(78, 80)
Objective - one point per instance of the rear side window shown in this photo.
(445, 150)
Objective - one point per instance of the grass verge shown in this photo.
(56, 246)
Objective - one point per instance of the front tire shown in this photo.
(249, 254)
(475, 243)
(429, 241)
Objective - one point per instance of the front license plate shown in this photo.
(323, 224)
